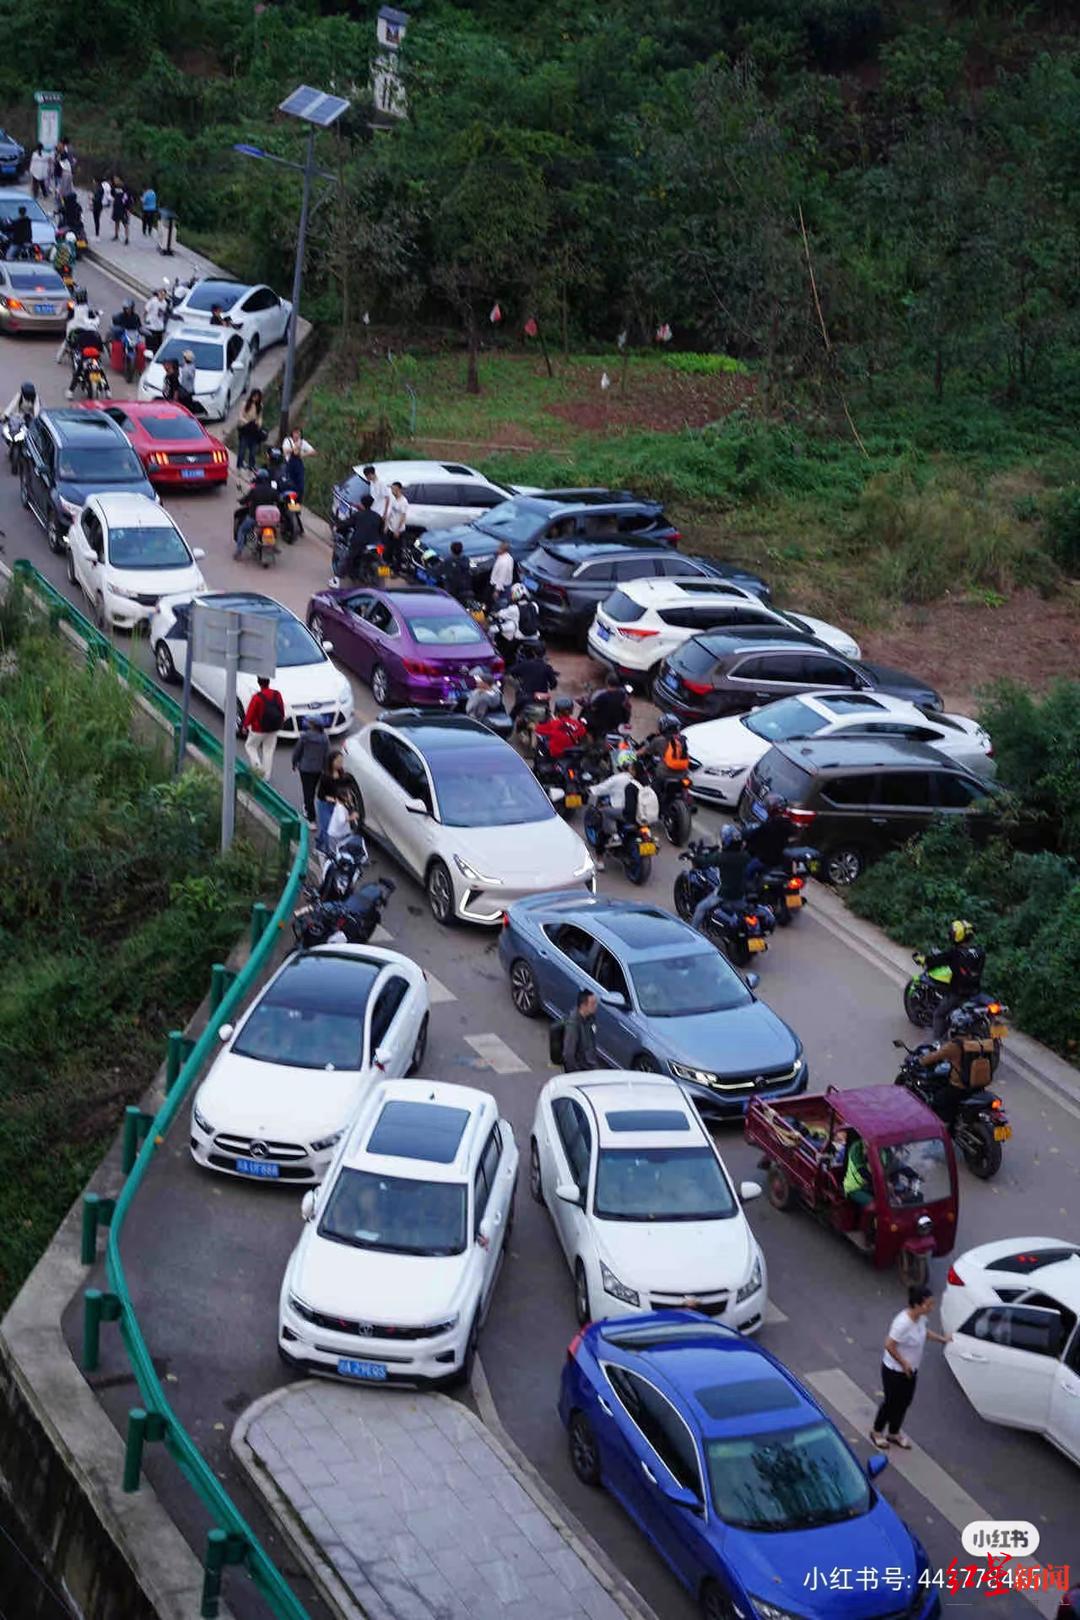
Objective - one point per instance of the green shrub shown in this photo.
(705, 365)
(1063, 528)
(1037, 748)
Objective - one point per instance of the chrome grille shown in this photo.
(244, 1147)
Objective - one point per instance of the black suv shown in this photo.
(68, 455)
(734, 670)
(570, 579)
(856, 798)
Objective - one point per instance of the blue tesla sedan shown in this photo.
(736, 1475)
(668, 1001)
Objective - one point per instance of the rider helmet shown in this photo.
(668, 725)
(564, 704)
(961, 931)
(962, 1023)
(518, 593)
(731, 837)
(776, 805)
(262, 476)
(28, 391)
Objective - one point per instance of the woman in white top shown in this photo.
(903, 1353)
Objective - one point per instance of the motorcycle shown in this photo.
(129, 348)
(14, 433)
(88, 373)
(497, 719)
(632, 843)
(677, 809)
(537, 709)
(342, 872)
(369, 569)
(357, 917)
(566, 780)
(783, 887)
(751, 921)
(980, 1124)
(926, 989)
(263, 539)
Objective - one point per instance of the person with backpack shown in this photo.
(666, 749)
(309, 759)
(263, 719)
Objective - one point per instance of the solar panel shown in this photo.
(314, 106)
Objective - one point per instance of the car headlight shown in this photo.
(471, 875)
(751, 1287)
(201, 1120)
(448, 1326)
(616, 1289)
(325, 1142)
(301, 1307)
(772, 1611)
(704, 1077)
(798, 1066)
(585, 868)
(117, 590)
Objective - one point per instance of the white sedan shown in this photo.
(310, 685)
(641, 1202)
(461, 810)
(223, 363)
(277, 1100)
(395, 1269)
(727, 750)
(1012, 1308)
(126, 553)
(254, 310)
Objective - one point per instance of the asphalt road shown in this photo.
(205, 1255)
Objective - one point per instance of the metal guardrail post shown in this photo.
(176, 1053)
(136, 1129)
(98, 1307)
(97, 1211)
(221, 1549)
(142, 1426)
(221, 978)
(260, 916)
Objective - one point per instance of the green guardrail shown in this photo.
(231, 1542)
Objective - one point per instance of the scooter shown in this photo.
(980, 1123)
(129, 347)
(14, 433)
(88, 373)
(356, 917)
(263, 539)
(343, 871)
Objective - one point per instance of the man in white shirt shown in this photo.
(397, 512)
(502, 571)
(900, 1363)
(379, 493)
(154, 319)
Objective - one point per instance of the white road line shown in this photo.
(928, 1477)
(437, 991)
(774, 1316)
(496, 1054)
(381, 935)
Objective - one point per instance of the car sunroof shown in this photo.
(647, 1119)
(1032, 1259)
(418, 1130)
(744, 1396)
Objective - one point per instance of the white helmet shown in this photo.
(518, 593)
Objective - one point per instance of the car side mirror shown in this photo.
(327, 646)
(569, 1192)
(680, 1496)
(307, 1204)
(198, 552)
(876, 1465)
(225, 1032)
(613, 998)
(749, 1190)
(417, 807)
(382, 1057)
(752, 980)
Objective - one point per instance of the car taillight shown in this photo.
(498, 666)
(636, 635)
(802, 818)
(699, 688)
(572, 1347)
(219, 456)
(674, 537)
(954, 1278)
(417, 666)
(556, 591)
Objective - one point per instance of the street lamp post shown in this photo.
(298, 276)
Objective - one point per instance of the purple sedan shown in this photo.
(405, 643)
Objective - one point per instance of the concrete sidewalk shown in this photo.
(405, 1507)
(139, 264)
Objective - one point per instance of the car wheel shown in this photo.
(645, 1063)
(843, 865)
(714, 1604)
(101, 618)
(584, 1452)
(380, 686)
(318, 628)
(536, 1177)
(72, 576)
(163, 663)
(779, 1189)
(581, 1294)
(440, 893)
(420, 1048)
(54, 535)
(463, 1377)
(255, 345)
(524, 992)
(24, 487)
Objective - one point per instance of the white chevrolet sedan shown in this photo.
(395, 1269)
(331, 1021)
(641, 1202)
(126, 553)
(223, 363)
(1013, 1308)
(461, 810)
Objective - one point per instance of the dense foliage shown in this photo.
(113, 905)
(1025, 906)
(607, 166)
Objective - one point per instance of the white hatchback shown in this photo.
(296, 1066)
(1013, 1308)
(223, 363)
(725, 751)
(643, 1207)
(125, 553)
(396, 1266)
(646, 620)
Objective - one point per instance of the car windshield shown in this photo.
(208, 356)
(495, 790)
(789, 718)
(792, 1479)
(396, 1214)
(9, 209)
(304, 1037)
(445, 630)
(661, 1184)
(156, 546)
(916, 1173)
(210, 293)
(681, 986)
(178, 427)
(508, 521)
(112, 464)
(41, 281)
(295, 645)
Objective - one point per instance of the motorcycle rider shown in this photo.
(968, 1056)
(24, 402)
(766, 840)
(731, 861)
(485, 697)
(966, 962)
(516, 620)
(563, 730)
(364, 533)
(155, 313)
(456, 575)
(259, 493)
(624, 800)
(666, 749)
(20, 235)
(533, 675)
(125, 320)
(83, 328)
(608, 708)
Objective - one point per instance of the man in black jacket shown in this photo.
(456, 575)
(579, 1035)
(365, 532)
(532, 674)
(966, 962)
(608, 708)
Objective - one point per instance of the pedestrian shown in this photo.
(185, 379)
(249, 433)
(502, 570)
(97, 203)
(170, 386)
(296, 450)
(309, 758)
(40, 171)
(65, 180)
(397, 515)
(378, 491)
(149, 210)
(263, 719)
(121, 211)
(904, 1347)
(153, 320)
(343, 781)
(579, 1035)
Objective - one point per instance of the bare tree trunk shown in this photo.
(544, 349)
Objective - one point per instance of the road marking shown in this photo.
(437, 991)
(495, 1053)
(930, 1480)
(774, 1316)
(381, 935)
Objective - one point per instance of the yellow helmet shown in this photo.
(962, 931)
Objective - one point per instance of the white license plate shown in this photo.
(603, 632)
(263, 1168)
(191, 472)
(373, 1371)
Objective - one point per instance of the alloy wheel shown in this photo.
(440, 893)
(536, 1179)
(163, 663)
(380, 686)
(843, 866)
(421, 1046)
(523, 991)
(581, 1295)
(584, 1452)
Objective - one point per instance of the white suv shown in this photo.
(441, 494)
(396, 1266)
(646, 620)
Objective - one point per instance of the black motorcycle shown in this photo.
(783, 887)
(370, 568)
(632, 843)
(980, 1124)
(742, 933)
(565, 780)
(343, 870)
(925, 991)
(677, 808)
(356, 917)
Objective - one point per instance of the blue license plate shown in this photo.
(44, 309)
(373, 1371)
(758, 810)
(603, 632)
(263, 1168)
(530, 584)
(191, 472)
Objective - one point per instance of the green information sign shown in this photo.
(50, 113)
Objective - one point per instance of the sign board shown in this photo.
(256, 646)
(50, 107)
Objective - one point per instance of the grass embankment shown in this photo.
(113, 905)
(966, 497)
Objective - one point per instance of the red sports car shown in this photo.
(172, 445)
